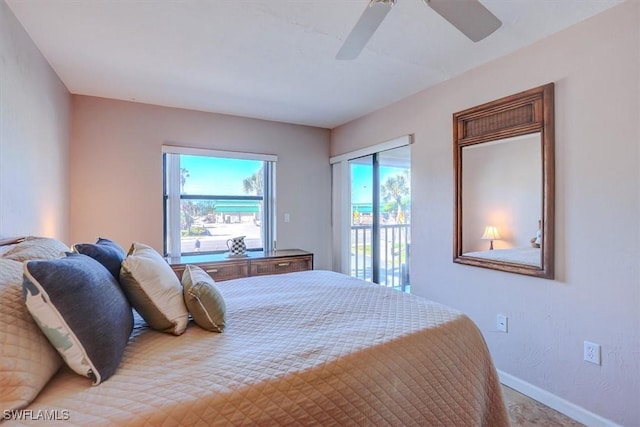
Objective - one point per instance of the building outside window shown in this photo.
(213, 196)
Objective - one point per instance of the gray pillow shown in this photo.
(204, 300)
(154, 289)
(81, 309)
(106, 252)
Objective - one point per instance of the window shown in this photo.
(212, 196)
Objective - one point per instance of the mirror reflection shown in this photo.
(501, 202)
(504, 168)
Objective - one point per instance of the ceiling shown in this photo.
(271, 59)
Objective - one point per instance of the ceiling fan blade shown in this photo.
(364, 29)
(469, 16)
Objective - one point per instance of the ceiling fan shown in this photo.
(469, 16)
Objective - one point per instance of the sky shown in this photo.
(361, 180)
(205, 174)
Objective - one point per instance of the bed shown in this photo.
(307, 348)
(527, 256)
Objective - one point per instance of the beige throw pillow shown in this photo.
(204, 300)
(27, 359)
(36, 248)
(153, 289)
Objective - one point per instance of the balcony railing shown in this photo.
(394, 255)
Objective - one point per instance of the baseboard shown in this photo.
(571, 410)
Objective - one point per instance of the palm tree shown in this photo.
(184, 174)
(186, 209)
(394, 191)
(189, 211)
(253, 184)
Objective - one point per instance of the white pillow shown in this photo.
(153, 289)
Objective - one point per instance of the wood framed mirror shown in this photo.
(504, 184)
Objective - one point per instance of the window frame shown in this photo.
(171, 186)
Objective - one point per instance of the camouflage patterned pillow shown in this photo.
(81, 309)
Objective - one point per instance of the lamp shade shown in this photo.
(490, 233)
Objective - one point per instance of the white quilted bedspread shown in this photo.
(308, 348)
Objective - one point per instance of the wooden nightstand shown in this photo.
(222, 267)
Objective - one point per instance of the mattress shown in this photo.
(307, 348)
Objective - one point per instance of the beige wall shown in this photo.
(596, 294)
(116, 170)
(34, 138)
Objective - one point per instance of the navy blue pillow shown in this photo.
(106, 252)
(81, 309)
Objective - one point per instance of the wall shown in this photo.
(596, 294)
(116, 170)
(34, 138)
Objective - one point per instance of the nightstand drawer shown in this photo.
(281, 265)
(220, 270)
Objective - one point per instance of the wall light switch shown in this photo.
(501, 323)
(287, 217)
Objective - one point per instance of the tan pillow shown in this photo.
(27, 359)
(204, 300)
(153, 289)
(36, 248)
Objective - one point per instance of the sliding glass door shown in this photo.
(362, 219)
(381, 217)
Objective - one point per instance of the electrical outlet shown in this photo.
(592, 352)
(501, 323)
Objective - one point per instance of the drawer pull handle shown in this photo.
(284, 264)
(212, 270)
